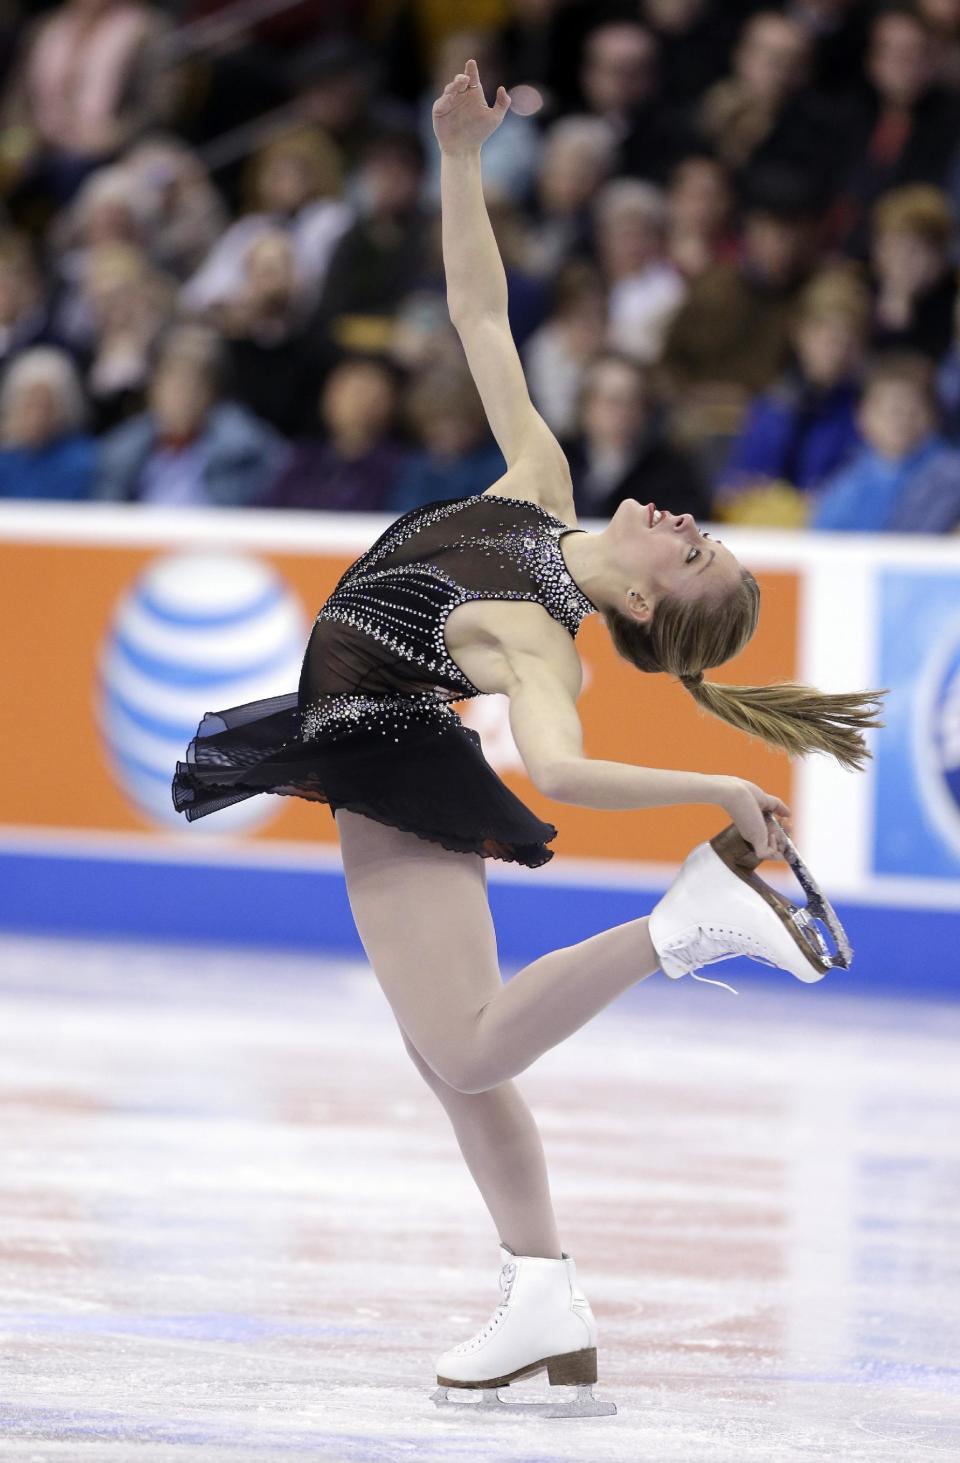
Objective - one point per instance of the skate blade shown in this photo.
(583, 1404)
(802, 923)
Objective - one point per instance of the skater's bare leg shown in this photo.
(423, 917)
(500, 1142)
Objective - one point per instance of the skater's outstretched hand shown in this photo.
(751, 809)
(462, 120)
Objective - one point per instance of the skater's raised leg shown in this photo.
(423, 917)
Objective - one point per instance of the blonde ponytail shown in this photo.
(685, 637)
(797, 718)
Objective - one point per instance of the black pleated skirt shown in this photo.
(412, 764)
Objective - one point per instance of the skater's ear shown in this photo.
(639, 606)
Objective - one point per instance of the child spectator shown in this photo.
(622, 451)
(44, 450)
(353, 469)
(458, 455)
(805, 427)
(906, 477)
(914, 284)
(190, 447)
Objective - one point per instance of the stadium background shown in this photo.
(161, 557)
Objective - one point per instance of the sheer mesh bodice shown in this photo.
(371, 726)
(381, 630)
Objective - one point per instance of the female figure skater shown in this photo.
(481, 595)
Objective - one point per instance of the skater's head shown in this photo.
(677, 601)
(676, 585)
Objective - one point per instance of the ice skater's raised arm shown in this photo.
(476, 282)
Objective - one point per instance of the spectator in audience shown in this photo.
(380, 258)
(457, 455)
(805, 427)
(578, 157)
(130, 303)
(742, 113)
(914, 282)
(45, 451)
(557, 355)
(905, 128)
(645, 289)
(185, 215)
(693, 39)
(621, 450)
(24, 315)
(190, 447)
(106, 210)
(276, 359)
(906, 477)
(354, 467)
(90, 78)
(620, 81)
(837, 30)
(700, 228)
(731, 337)
(336, 87)
(943, 18)
(294, 183)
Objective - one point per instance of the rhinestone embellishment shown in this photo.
(404, 607)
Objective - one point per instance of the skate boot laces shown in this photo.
(711, 943)
(508, 1275)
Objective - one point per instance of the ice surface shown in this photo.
(235, 1225)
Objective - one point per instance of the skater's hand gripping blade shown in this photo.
(799, 922)
(582, 1404)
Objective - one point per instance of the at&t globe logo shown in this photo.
(198, 631)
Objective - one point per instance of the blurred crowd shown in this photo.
(730, 233)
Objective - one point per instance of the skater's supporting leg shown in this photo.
(500, 1142)
(423, 917)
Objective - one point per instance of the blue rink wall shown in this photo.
(899, 950)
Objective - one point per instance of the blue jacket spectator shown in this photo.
(805, 427)
(795, 434)
(189, 448)
(44, 451)
(906, 477)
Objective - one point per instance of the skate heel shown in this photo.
(573, 1368)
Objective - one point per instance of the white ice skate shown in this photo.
(543, 1322)
(718, 907)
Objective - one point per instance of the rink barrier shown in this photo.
(125, 625)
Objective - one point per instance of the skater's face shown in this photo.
(667, 556)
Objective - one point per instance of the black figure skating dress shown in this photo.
(371, 727)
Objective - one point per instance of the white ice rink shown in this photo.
(234, 1223)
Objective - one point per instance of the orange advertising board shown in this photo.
(61, 604)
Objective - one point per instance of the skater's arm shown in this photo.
(476, 281)
(549, 737)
